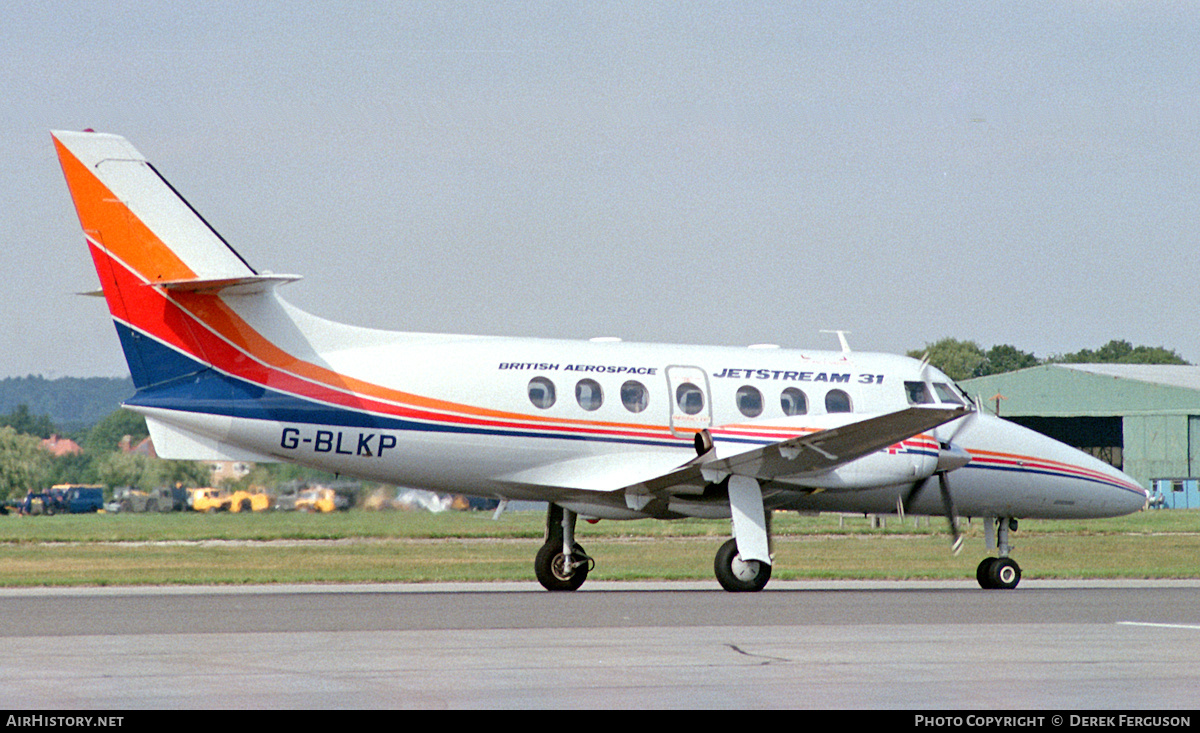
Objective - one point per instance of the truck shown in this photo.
(64, 499)
(163, 499)
(321, 500)
(208, 499)
(80, 498)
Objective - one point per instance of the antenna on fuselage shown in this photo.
(841, 338)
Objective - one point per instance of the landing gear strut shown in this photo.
(999, 573)
(561, 563)
(743, 564)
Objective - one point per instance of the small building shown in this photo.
(60, 447)
(1141, 418)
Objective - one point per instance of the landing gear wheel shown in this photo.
(737, 575)
(1005, 573)
(983, 573)
(556, 571)
(998, 573)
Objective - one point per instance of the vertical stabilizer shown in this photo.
(142, 233)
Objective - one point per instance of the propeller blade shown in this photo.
(905, 500)
(951, 515)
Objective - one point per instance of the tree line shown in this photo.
(966, 359)
(25, 465)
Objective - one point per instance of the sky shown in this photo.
(1023, 173)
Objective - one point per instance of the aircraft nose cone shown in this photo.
(1129, 496)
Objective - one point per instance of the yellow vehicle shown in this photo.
(246, 501)
(215, 500)
(316, 500)
(206, 499)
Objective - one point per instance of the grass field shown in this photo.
(360, 546)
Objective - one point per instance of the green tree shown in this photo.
(107, 434)
(145, 473)
(22, 421)
(24, 466)
(958, 359)
(1005, 358)
(1119, 351)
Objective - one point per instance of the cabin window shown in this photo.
(690, 398)
(946, 393)
(837, 400)
(634, 396)
(918, 393)
(588, 394)
(793, 402)
(749, 401)
(541, 393)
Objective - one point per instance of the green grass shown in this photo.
(359, 546)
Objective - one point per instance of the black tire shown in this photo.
(983, 573)
(549, 566)
(736, 575)
(1004, 574)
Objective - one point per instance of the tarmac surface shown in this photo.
(1065, 645)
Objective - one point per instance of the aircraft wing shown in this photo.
(810, 454)
(827, 449)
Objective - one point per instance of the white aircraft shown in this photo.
(226, 369)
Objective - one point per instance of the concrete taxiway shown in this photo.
(911, 645)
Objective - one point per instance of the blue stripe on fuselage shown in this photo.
(196, 387)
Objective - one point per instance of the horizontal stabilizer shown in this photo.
(248, 285)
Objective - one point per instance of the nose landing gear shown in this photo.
(999, 573)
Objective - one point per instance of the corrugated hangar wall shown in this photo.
(1157, 409)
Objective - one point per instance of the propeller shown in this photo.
(907, 499)
(950, 458)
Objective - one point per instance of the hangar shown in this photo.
(1141, 418)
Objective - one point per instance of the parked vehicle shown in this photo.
(163, 499)
(64, 499)
(209, 499)
(247, 501)
(321, 499)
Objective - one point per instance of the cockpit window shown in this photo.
(918, 393)
(946, 393)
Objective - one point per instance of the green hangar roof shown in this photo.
(1080, 390)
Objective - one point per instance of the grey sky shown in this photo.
(730, 173)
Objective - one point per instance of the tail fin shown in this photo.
(141, 233)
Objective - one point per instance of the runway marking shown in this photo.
(1193, 627)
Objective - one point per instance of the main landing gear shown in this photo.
(999, 573)
(561, 563)
(743, 564)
